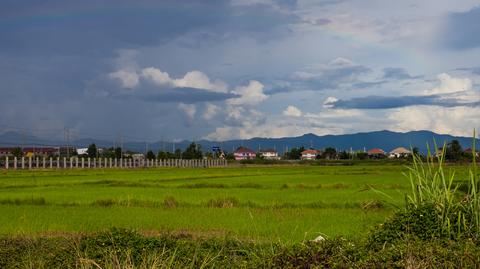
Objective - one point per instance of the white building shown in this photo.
(399, 153)
(82, 151)
(309, 154)
(269, 154)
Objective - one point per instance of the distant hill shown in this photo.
(386, 140)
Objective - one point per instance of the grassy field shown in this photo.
(274, 203)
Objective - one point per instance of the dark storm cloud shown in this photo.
(186, 95)
(329, 77)
(386, 102)
(145, 91)
(368, 84)
(397, 73)
(53, 55)
(99, 27)
(462, 30)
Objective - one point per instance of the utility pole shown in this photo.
(66, 138)
(121, 146)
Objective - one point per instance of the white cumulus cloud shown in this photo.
(252, 94)
(449, 84)
(128, 79)
(157, 76)
(210, 111)
(292, 111)
(193, 79)
(445, 120)
(188, 109)
(329, 102)
(197, 79)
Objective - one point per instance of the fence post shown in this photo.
(44, 163)
(58, 162)
(6, 162)
(15, 163)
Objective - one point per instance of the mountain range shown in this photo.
(386, 140)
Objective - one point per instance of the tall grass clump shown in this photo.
(435, 208)
(432, 186)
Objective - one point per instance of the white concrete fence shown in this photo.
(88, 163)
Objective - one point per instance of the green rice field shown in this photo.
(275, 203)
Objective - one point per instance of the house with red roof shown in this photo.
(376, 153)
(243, 153)
(469, 152)
(310, 154)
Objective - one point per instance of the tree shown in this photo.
(177, 154)
(361, 155)
(344, 155)
(230, 156)
(193, 152)
(329, 153)
(454, 151)
(150, 155)
(118, 152)
(294, 153)
(162, 155)
(108, 153)
(92, 151)
(17, 152)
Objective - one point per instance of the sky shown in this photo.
(220, 70)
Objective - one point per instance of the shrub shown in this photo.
(434, 209)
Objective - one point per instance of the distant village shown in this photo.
(452, 151)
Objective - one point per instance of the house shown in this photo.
(309, 154)
(30, 151)
(40, 151)
(65, 151)
(82, 151)
(137, 156)
(6, 152)
(243, 153)
(269, 154)
(399, 152)
(469, 152)
(376, 153)
(439, 152)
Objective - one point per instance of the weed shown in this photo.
(227, 202)
(170, 202)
